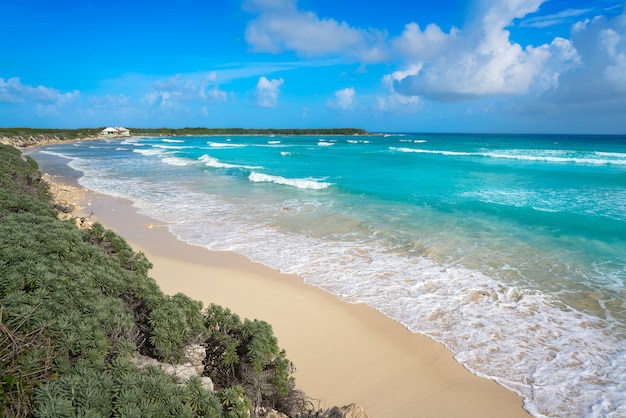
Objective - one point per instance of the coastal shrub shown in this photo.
(176, 322)
(247, 353)
(76, 305)
(123, 390)
(21, 186)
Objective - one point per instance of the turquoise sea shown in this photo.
(508, 249)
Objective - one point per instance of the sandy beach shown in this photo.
(344, 353)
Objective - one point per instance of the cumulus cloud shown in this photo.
(169, 93)
(480, 59)
(344, 98)
(601, 45)
(13, 91)
(281, 26)
(266, 93)
(395, 102)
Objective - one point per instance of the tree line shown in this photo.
(92, 132)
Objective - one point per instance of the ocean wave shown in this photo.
(273, 142)
(215, 163)
(223, 145)
(174, 147)
(178, 141)
(57, 154)
(549, 156)
(175, 161)
(299, 183)
(324, 143)
(148, 152)
(415, 141)
(520, 338)
(427, 151)
(132, 141)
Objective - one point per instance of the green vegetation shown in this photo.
(63, 134)
(77, 305)
(242, 131)
(73, 134)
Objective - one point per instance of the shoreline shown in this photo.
(343, 353)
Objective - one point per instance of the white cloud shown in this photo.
(13, 91)
(210, 90)
(480, 60)
(395, 102)
(601, 44)
(544, 21)
(414, 43)
(344, 98)
(266, 93)
(281, 26)
(185, 88)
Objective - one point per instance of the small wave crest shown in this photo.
(178, 162)
(548, 156)
(215, 163)
(222, 145)
(57, 154)
(149, 152)
(299, 183)
(324, 143)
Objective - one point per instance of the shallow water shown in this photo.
(508, 249)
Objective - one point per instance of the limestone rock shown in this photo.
(192, 365)
(347, 411)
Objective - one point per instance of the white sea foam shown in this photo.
(324, 143)
(550, 156)
(175, 161)
(273, 142)
(428, 151)
(215, 163)
(414, 141)
(57, 154)
(149, 152)
(299, 183)
(175, 147)
(222, 145)
(523, 339)
(178, 141)
(132, 141)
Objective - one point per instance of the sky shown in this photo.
(483, 66)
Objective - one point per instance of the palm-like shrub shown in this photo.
(246, 353)
(75, 305)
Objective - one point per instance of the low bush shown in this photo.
(76, 305)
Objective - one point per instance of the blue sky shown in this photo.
(554, 66)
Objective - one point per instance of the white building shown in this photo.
(115, 132)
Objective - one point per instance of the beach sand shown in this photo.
(343, 353)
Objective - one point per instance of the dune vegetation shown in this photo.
(77, 305)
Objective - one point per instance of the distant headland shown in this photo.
(26, 137)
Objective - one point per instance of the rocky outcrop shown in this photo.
(191, 365)
(348, 411)
(24, 141)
